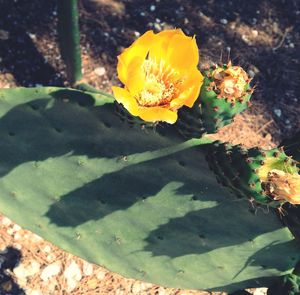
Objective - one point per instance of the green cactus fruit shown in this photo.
(291, 217)
(247, 172)
(141, 203)
(225, 93)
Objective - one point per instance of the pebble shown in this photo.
(10, 231)
(260, 291)
(87, 268)
(137, 34)
(4, 35)
(251, 73)
(6, 221)
(16, 228)
(278, 112)
(100, 71)
(50, 271)
(73, 275)
(139, 287)
(157, 26)
(223, 21)
(32, 36)
(101, 275)
(152, 8)
(47, 249)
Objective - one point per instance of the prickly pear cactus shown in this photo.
(248, 172)
(291, 218)
(288, 284)
(225, 93)
(132, 121)
(143, 204)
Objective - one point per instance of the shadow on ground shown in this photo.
(9, 259)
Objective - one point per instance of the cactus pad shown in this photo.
(138, 202)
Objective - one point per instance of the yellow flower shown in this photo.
(283, 186)
(160, 75)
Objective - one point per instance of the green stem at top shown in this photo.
(69, 38)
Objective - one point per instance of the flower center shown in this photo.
(283, 186)
(230, 82)
(161, 84)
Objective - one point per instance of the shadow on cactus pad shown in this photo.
(141, 203)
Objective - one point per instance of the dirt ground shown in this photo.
(262, 36)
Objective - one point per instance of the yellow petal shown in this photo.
(139, 48)
(179, 101)
(182, 53)
(189, 90)
(123, 96)
(161, 42)
(194, 81)
(136, 76)
(155, 114)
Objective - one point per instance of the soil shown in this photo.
(262, 36)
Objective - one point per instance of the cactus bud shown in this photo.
(226, 88)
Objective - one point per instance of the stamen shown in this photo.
(161, 84)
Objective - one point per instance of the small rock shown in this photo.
(50, 257)
(4, 35)
(6, 221)
(152, 8)
(254, 21)
(287, 121)
(142, 13)
(47, 249)
(73, 275)
(32, 36)
(251, 73)
(292, 45)
(20, 272)
(100, 71)
(255, 33)
(260, 291)
(157, 26)
(278, 112)
(87, 268)
(33, 268)
(101, 275)
(224, 21)
(137, 34)
(16, 228)
(161, 291)
(50, 271)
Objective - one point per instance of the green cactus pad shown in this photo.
(140, 203)
(239, 168)
(209, 113)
